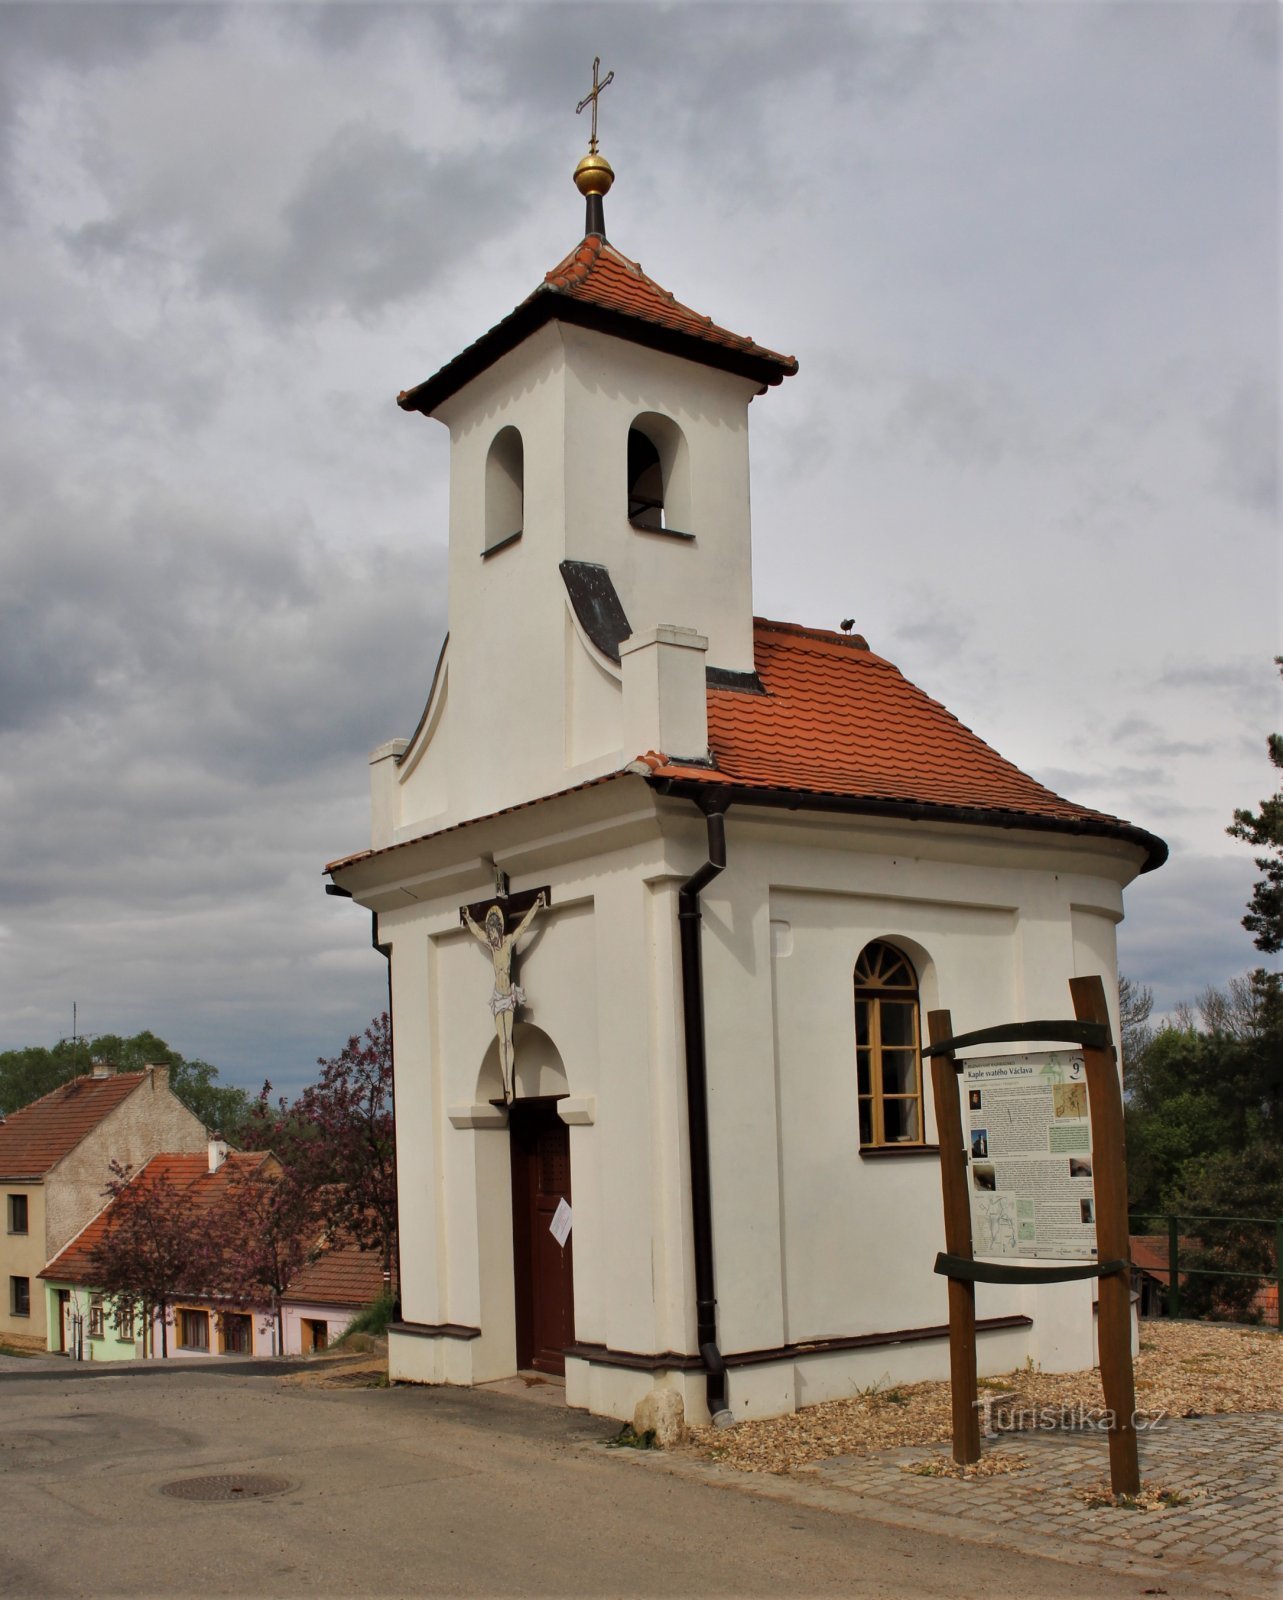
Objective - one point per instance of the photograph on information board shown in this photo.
(1029, 1155)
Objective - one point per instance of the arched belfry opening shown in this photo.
(505, 488)
(658, 476)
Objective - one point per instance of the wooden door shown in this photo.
(64, 1316)
(540, 1143)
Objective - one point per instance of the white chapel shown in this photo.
(667, 889)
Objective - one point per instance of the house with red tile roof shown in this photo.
(55, 1163)
(89, 1325)
(325, 1294)
(667, 890)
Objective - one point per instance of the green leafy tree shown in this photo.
(1264, 829)
(1135, 1003)
(27, 1074)
(1238, 1186)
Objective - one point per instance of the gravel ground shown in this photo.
(1184, 1369)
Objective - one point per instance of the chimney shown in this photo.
(665, 693)
(103, 1069)
(217, 1151)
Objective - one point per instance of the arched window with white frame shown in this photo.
(888, 1053)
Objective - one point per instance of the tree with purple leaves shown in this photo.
(337, 1141)
(156, 1245)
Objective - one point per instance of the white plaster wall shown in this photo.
(809, 1235)
(150, 1121)
(812, 1240)
(518, 669)
(335, 1318)
(707, 583)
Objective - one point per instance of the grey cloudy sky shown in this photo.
(1026, 255)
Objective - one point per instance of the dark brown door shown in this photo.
(64, 1311)
(540, 1143)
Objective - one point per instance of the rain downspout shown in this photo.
(385, 950)
(688, 924)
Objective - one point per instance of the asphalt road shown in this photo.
(420, 1492)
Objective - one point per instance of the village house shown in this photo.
(326, 1294)
(667, 890)
(88, 1324)
(55, 1162)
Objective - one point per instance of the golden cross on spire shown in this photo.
(591, 99)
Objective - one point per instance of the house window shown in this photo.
(658, 476)
(123, 1319)
(95, 1316)
(505, 490)
(888, 1063)
(238, 1335)
(193, 1330)
(17, 1213)
(20, 1297)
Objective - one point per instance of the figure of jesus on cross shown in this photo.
(506, 995)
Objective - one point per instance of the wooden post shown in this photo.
(1109, 1182)
(957, 1241)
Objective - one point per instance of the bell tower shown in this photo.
(599, 534)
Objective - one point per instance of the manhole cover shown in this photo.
(227, 1486)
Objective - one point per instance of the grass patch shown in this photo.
(373, 1319)
(629, 1439)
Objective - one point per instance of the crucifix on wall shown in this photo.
(498, 923)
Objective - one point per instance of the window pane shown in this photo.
(866, 1122)
(900, 1120)
(899, 1023)
(862, 1072)
(862, 1021)
(900, 1072)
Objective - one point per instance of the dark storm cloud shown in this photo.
(168, 670)
(1245, 434)
(1192, 894)
(37, 35)
(373, 220)
(1147, 738)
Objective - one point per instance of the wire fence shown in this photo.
(1202, 1266)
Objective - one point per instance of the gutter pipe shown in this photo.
(688, 925)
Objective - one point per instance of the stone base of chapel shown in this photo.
(1057, 1336)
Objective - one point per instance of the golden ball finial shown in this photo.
(594, 175)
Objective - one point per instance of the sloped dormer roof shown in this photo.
(38, 1136)
(596, 286)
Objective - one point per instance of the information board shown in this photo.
(1029, 1169)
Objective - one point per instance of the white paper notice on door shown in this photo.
(559, 1227)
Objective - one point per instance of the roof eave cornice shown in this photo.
(1155, 849)
(547, 305)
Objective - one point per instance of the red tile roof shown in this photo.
(204, 1190)
(838, 727)
(597, 274)
(838, 721)
(596, 286)
(344, 1277)
(38, 1136)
